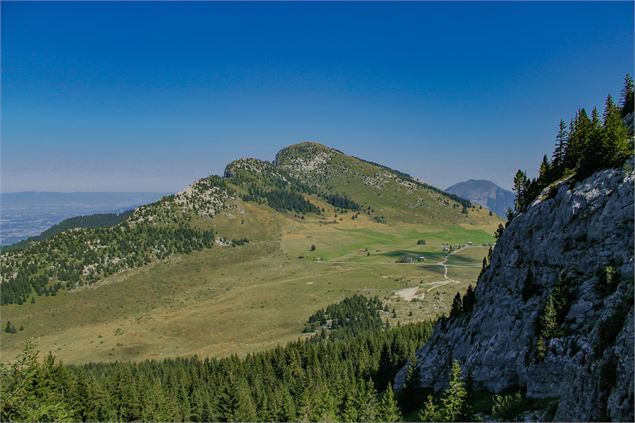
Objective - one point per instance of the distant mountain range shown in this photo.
(485, 193)
(28, 213)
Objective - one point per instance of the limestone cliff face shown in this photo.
(574, 236)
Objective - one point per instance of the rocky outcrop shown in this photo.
(306, 158)
(248, 165)
(576, 244)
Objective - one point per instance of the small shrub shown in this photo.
(240, 241)
(406, 259)
(552, 191)
(10, 328)
(541, 348)
(608, 280)
(506, 407)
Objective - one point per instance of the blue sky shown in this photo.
(149, 96)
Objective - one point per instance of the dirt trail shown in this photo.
(409, 293)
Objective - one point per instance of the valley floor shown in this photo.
(244, 299)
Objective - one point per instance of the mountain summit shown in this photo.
(486, 193)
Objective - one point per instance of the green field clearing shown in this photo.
(243, 299)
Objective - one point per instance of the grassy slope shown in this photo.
(248, 298)
(242, 299)
(386, 192)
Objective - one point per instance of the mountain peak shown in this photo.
(305, 157)
(485, 193)
(247, 164)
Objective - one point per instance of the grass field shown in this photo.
(243, 299)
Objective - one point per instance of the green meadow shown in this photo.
(237, 300)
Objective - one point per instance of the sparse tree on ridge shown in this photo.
(615, 135)
(627, 95)
(457, 306)
(562, 140)
(520, 187)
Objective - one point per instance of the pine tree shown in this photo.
(627, 95)
(125, 395)
(562, 140)
(349, 411)
(615, 136)
(367, 402)
(386, 367)
(29, 392)
(520, 187)
(305, 401)
(548, 319)
(324, 404)
(579, 134)
(454, 406)
(469, 299)
(243, 407)
(545, 173)
(409, 395)
(457, 306)
(430, 412)
(483, 269)
(388, 409)
(541, 348)
(592, 152)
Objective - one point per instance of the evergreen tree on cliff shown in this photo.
(627, 95)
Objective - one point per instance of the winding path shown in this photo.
(409, 293)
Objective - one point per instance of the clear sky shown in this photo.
(149, 96)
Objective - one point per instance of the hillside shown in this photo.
(485, 193)
(303, 179)
(29, 213)
(252, 254)
(553, 313)
(387, 193)
(97, 220)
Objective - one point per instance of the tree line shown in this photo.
(587, 144)
(346, 379)
(342, 202)
(351, 315)
(84, 256)
(98, 220)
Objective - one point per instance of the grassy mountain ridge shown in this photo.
(389, 193)
(303, 178)
(97, 220)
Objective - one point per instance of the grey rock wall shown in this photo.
(571, 236)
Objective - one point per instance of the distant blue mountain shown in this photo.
(29, 213)
(485, 193)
